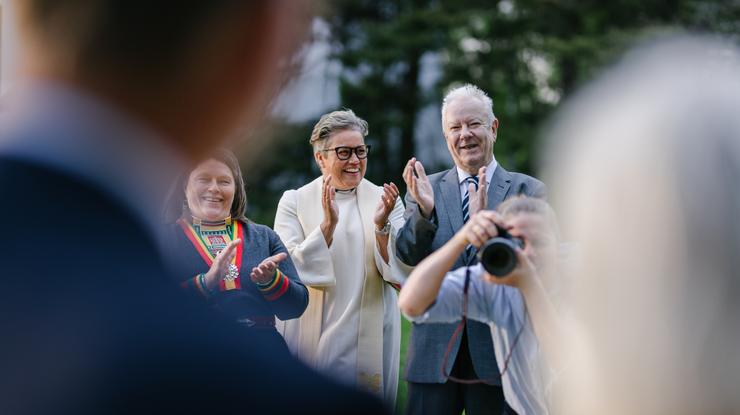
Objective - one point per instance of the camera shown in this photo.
(498, 255)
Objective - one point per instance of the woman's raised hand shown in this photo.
(265, 271)
(331, 211)
(385, 205)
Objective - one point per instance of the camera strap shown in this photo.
(458, 331)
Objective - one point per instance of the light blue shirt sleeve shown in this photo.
(487, 302)
(502, 307)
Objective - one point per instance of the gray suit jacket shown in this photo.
(418, 238)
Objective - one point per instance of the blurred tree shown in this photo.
(528, 54)
(380, 44)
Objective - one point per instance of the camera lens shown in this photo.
(498, 255)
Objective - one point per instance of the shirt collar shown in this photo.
(490, 169)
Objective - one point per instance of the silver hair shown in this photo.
(334, 122)
(470, 91)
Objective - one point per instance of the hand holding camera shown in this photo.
(481, 227)
(501, 245)
(487, 231)
(525, 251)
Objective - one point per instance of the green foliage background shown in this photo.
(493, 44)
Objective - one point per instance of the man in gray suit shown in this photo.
(437, 206)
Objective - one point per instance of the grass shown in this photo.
(402, 386)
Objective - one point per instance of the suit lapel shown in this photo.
(500, 183)
(449, 189)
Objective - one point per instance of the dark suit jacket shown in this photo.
(418, 238)
(91, 324)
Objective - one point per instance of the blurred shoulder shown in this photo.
(42, 191)
(527, 185)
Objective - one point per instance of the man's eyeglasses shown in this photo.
(344, 153)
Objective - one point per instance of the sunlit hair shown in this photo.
(645, 166)
(524, 204)
(335, 122)
(122, 36)
(177, 205)
(468, 91)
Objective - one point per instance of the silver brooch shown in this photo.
(232, 274)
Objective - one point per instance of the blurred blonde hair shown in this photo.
(645, 166)
(525, 204)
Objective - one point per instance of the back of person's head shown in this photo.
(101, 35)
(194, 70)
(645, 165)
(146, 40)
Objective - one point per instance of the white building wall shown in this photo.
(8, 46)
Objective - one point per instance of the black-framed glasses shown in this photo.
(344, 153)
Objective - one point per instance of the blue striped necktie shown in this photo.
(466, 197)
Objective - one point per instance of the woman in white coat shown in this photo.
(340, 231)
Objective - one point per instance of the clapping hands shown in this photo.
(419, 186)
(331, 211)
(385, 205)
(265, 271)
(479, 197)
(220, 265)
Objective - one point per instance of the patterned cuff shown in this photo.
(275, 288)
(197, 284)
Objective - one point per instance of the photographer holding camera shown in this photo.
(515, 304)
(437, 206)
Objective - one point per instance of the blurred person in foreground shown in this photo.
(238, 266)
(516, 306)
(340, 230)
(119, 97)
(645, 166)
(437, 206)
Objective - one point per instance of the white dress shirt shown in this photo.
(462, 175)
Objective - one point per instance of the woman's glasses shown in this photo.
(344, 153)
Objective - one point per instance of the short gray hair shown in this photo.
(470, 91)
(334, 122)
